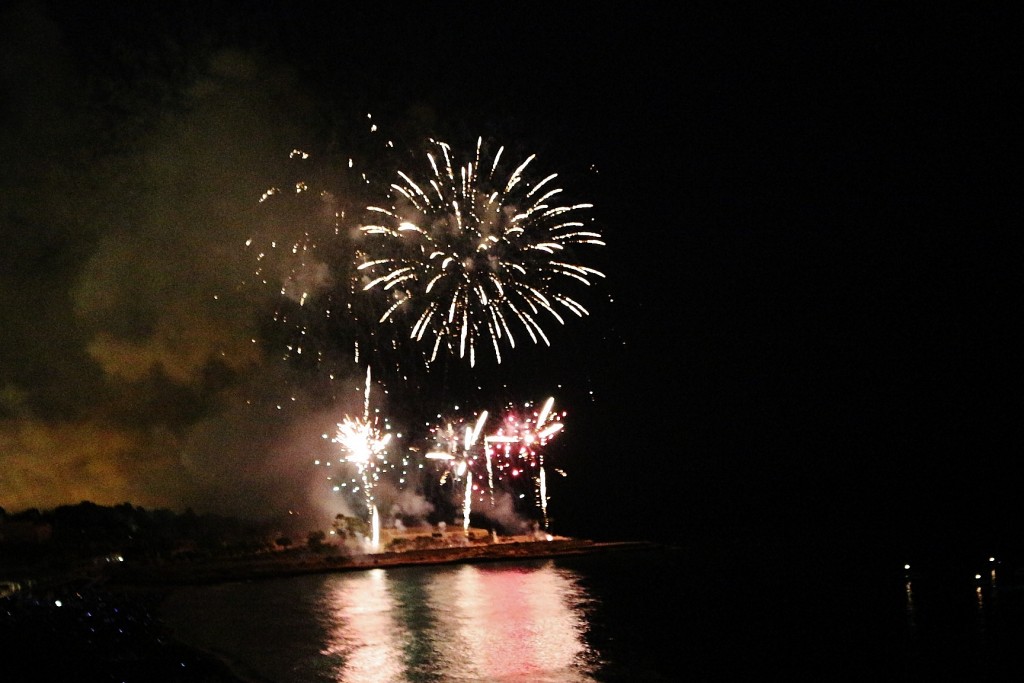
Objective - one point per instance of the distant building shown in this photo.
(427, 536)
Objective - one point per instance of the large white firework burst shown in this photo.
(472, 256)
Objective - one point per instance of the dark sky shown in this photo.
(806, 321)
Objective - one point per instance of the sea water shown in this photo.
(638, 615)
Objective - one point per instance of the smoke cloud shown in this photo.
(132, 368)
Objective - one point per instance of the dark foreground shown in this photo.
(103, 627)
(89, 633)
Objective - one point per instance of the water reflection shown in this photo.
(471, 623)
(362, 630)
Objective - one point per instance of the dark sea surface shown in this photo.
(661, 614)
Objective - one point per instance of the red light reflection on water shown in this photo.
(486, 624)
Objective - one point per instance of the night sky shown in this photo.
(807, 322)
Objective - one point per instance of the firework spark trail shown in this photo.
(459, 452)
(466, 255)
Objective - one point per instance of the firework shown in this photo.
(296, 258)
(517, 447)
(472, 256)
(457, 446)
(364, 444)
(303, 247)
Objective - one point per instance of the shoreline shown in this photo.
(307, 562)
